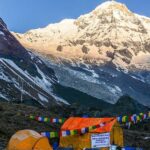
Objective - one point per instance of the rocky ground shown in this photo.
(14, 117)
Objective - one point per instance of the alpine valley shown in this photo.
(93, 60)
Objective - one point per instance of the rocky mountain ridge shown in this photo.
(104, 53)
(24, 77)
(110, 33)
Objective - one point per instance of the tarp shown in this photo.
(78, 123)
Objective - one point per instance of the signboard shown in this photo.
(100, 140)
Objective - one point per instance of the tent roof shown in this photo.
(28, 140)
(75, 123)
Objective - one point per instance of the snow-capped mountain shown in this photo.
(109, 33)
(24, 77)
(105, 53)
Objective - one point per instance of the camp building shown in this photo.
(110, 134)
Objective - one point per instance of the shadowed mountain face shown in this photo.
(24, 77)
(103, 82)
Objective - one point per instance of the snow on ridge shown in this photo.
(64, 21)
(24, 73)
(118, 88)
(94, 74)
(4, 97)
(60, 99)
(11, 63)
(84, 76)
(44, 82)
(2, 33)
(3, 76)
(142, 17)
(107, 4)
(134, 77)
(64, 26)
(115, 89)
(43, 98)
(36, 80)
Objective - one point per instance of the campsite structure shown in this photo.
(28, 140)
(103, 137)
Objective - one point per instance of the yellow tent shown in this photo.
(28, 140)
(112, 131)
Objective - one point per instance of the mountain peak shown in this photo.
(109, 12)
(112, 5)
(110, 33)
(110, 45)
(108, 4)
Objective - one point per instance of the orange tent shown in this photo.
(28, 140)
(84, 141)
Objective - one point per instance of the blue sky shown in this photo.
(22, 15)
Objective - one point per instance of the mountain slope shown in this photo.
(104, 54)
(24, 77)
